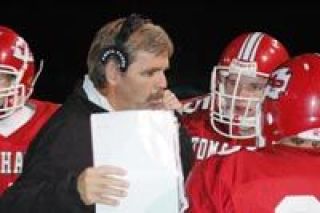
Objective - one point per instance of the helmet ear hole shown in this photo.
(17, 61)
(249, 56)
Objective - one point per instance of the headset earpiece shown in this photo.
(117, 51)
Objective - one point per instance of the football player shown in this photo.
(280, 178)
(20, 117)
(224, 120)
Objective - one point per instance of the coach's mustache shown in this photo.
(156, 96)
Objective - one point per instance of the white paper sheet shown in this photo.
(145, 143)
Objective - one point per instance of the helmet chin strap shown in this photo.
(1, 102)
(247, 122)
(245, 125)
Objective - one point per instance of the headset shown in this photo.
(117, 51)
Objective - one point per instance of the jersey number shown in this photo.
(298, 204)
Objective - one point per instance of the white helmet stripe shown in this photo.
(243, 47)
(256, 45)
(249, 47)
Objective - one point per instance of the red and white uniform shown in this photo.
(206, 141)
(14, 146)
(229, 121)
(280, 179)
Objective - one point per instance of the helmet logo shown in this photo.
(21, 51)
(278, 83)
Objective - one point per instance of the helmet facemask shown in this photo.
(236, 92)
(12, 92)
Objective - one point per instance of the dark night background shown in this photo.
(61, 33)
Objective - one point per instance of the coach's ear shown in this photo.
(112, 72)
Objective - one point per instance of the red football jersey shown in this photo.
(278, 179)
(13, 147)
(206, 141)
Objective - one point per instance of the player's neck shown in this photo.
(20, 117)
(301, 143)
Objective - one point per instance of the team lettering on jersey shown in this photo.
(11, 162)
(194, 104)
(204, 147)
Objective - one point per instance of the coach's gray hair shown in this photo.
(148, 37)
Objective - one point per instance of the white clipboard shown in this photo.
(145, 143)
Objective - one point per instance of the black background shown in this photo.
(61, 34)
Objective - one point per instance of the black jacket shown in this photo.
(61, 151)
